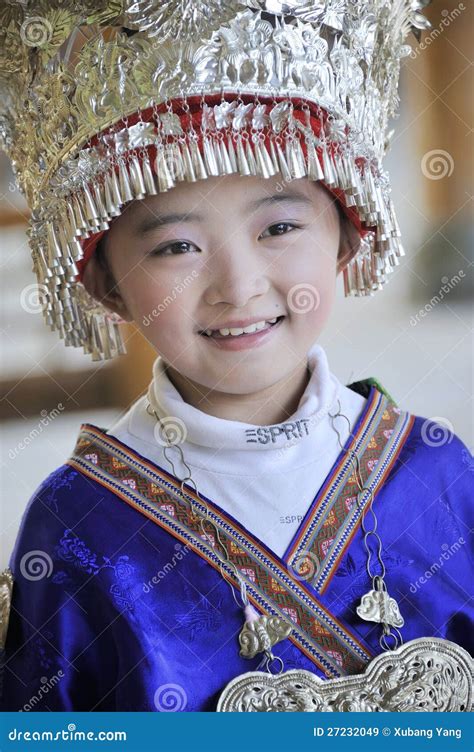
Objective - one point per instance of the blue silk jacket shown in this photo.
(118, 603)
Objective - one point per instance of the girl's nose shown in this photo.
(235, 275)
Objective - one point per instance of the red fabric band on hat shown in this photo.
(192, 116)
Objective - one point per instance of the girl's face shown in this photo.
(221, 253)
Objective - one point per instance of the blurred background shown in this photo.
(415, 336)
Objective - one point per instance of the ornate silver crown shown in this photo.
(107, 101)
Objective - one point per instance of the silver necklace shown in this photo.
(425, 674)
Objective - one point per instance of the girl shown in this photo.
(250, 515)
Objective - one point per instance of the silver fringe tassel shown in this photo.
(129, 176)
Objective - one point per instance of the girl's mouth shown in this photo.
(243, 341)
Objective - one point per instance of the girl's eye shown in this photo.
(173, 249)
(281, 228)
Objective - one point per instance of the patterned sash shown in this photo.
(335, 514)
(273, 586)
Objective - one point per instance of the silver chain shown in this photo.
(269, 660)
(378, 580)
(197, 514)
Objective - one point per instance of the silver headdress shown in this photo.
(108, 101)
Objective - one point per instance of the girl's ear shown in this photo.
(100, 283)
(348, 244)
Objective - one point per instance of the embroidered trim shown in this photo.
(376, 480)
(336, 513)
(138, 482)
(157, 494)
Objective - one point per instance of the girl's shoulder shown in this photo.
(438, 460)
(432, 453)
(434, 438)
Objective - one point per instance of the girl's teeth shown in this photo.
(247, 330)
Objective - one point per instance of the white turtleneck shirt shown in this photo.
(266, 477)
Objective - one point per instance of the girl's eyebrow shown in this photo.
(149, 224)
(296, 197)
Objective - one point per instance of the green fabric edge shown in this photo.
(363, 387)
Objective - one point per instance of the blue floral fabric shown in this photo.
(110, 612)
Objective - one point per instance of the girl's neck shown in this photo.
(267, 407)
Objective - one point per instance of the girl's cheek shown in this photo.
(145, 292)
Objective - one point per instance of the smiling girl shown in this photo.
(250, 514)
(248, 247)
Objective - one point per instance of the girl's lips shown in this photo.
(244, 341)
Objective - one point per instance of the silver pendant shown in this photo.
(426, 674)
(261, 634)
(378, 606)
